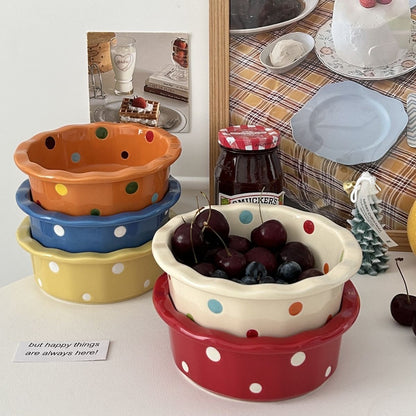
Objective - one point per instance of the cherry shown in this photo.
(239, 243)
(185, 242)
(310, 273)
(270, 234)
(403, 305)
(205, 268)
(264, 256)
(212, 223)
(298, 252)
(231, 261)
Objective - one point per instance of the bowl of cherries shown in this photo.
(256, 271)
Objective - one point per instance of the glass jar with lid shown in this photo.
(248, 168)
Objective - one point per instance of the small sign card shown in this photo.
(61, 351)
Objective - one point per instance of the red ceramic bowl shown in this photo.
(256, 369)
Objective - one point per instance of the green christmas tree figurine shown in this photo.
(374, 251)
(366, 226)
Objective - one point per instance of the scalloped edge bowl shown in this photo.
(266, 309)
(90, 278)
(98, 168)
(255, 369)
(77, 234)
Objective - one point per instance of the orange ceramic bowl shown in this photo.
(98, 168)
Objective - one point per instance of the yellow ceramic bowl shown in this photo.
(98, 168)
(90, 277)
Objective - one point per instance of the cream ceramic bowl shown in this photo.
(308, 44)
(90, 277)
(266, 309)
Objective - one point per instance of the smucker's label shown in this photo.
(268, 198)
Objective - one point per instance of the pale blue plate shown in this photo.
(349, 124)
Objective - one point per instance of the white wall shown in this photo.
(44, 85)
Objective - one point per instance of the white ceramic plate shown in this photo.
(309, 6)
(305, 39)
(170, 119)
(348, 123)
(325, 51)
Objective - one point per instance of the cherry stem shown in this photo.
(206, 225)
(404, 280)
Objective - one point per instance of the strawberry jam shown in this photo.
(248, 167)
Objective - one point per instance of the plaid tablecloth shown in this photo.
(315, 183)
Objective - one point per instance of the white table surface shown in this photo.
(376, 374)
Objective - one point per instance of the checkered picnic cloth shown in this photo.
(315, 183)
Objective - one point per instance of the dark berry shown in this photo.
(289, 271)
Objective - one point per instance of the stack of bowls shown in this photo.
(95, 195)
(266, 341)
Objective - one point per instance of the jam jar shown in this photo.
(248, 168)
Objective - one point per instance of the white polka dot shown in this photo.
(298, 359)
(120, 231)
(86, 297)
(40, 282)
(213, 354)
(255, 388)
(147, 283)
(59, 230)
(328, 371)
(118, 268)
(54, 267)
(185, 366)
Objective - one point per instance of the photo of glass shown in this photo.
(139, 77)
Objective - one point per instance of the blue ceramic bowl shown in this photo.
(101, 234)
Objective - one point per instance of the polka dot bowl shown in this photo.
(98, 168)
(100, 234)
(264, 309)
(255, 369)
(90, 277)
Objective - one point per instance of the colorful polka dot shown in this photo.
(185, 366)
(155, 197)
(120, 231)
(118, 268)
(75, 157)
(61, 189)
(309, 226)
(50, 142)
(96, 212)
(59, 230)
(295, 308)
(252, 333)
(132, 187)
(255, 388)
(298, 359)
(213, 354)
(326, 268)
(215, 306)
(149, 135)
(188, 315)
(86, 297)
(246, 217)
(54, 267)
(101, 133)
(124, 155)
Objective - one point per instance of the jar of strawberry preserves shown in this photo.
(248, 168)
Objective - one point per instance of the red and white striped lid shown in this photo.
(248, 137)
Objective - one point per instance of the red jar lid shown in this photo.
(248, 137)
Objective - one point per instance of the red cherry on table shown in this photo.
(403, 305)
